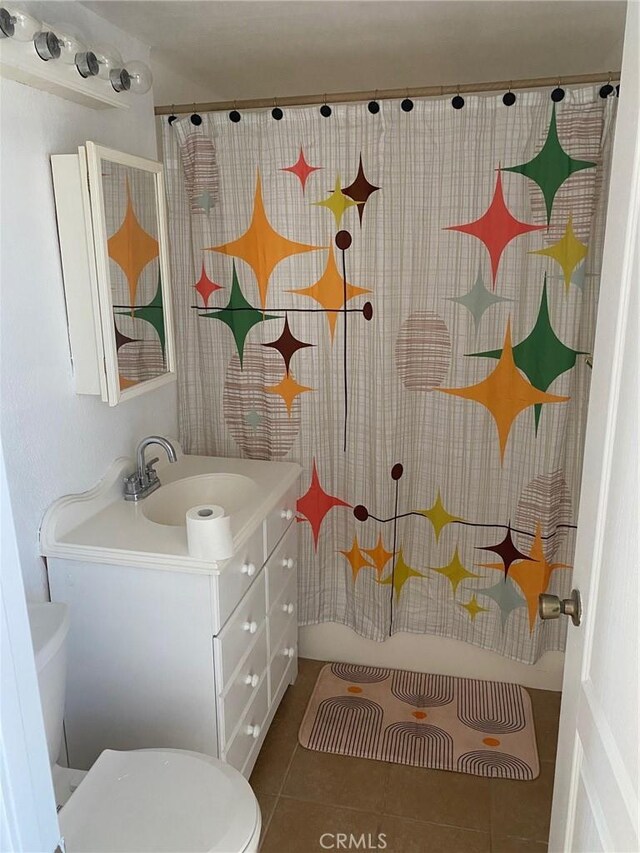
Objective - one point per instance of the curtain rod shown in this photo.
(386, 94)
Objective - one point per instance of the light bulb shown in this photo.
(108, 60)
(16, 24)
(71, 42)
(73, 51)
(140, 74)
(111, 67)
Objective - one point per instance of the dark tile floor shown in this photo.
(304, 793)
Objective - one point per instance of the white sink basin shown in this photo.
(169, 504)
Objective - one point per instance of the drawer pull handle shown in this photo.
(286, 514)
(252, 680)
(288, 563)
(251, 627)
(253, 731)
(288, 608)
(249, 569)
(289, 652)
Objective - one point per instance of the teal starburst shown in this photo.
(478, 300)
(505, 596)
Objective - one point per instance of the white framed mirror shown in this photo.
(121, 326)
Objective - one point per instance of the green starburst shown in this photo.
(541, 356)
(551, 166)
(239, 315)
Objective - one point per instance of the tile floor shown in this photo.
(304, 794)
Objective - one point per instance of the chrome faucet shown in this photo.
(144, 479)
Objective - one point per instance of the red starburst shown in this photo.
(316, 503)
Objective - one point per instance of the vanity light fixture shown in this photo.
(71, 47)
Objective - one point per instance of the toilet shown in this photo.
(148, 800)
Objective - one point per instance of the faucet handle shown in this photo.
(150, 470)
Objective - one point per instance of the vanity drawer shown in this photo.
(241, 689)
(232, 643)
(283, 655)
(250, 729)
(279, 519)
(237, 576)
(282, 565)
(282, 613)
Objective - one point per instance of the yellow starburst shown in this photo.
(401, 573)
(454, 571)
(337, 202)
(568, 252)
(438, 516)
(473, 608)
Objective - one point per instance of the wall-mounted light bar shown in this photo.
(71, 48)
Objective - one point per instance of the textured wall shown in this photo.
(54, 441)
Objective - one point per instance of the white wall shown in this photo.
(56, 442)
(172, 87)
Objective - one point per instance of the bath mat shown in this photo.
(439, 721)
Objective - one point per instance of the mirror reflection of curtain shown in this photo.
(134, 269)
(405, 304)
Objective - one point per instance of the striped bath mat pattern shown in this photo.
(463, 724)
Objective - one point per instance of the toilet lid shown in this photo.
(160, 801)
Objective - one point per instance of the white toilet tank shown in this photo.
(49, 626)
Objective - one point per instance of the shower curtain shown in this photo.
(403, 302)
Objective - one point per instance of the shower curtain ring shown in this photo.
(407, 104)
(558, 93)
(195, 118)
(457, 102)
(325, 109)
(276, 112)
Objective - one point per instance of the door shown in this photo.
(595, 803)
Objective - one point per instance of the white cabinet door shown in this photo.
(595, 805)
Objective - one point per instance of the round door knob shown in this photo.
(253, 731)
(249, 569)
(289, 652)
(286, 514)
(252, 680)
(251, 627)
(288, 563)
(552, 606)
(288, 608)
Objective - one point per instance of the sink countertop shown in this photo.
(100, 526)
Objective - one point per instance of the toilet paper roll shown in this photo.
(209, 533)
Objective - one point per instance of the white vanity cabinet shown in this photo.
(189, 659)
